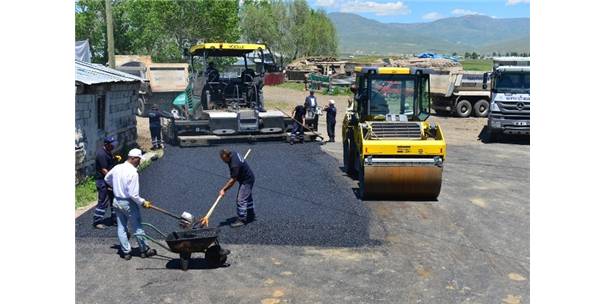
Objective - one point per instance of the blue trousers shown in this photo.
(104, 198)
(128, 209)
(245, 201)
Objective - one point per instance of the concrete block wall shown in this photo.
(120, 122)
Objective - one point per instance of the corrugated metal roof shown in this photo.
(91, 73)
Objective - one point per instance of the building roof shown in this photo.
(91, 73)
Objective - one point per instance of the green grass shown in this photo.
(337, 91)
(86, 192)
(484, 65)
(299, 86)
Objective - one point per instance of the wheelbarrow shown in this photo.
(194, 240)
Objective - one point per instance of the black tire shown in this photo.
(480, 108)
(491, 136)
(361, 186)
(185, 260)
(463, 108)
(213, 256)
(142, 108)
(348, 161)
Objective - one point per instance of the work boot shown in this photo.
(126, 256)
(237, 223)
(148, 253)
(100, 226)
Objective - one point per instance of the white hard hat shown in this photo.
(331, 101)
(135, 153)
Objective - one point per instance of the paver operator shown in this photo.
(124, 179)
(331, 119)
(104, 161)
(240, 172)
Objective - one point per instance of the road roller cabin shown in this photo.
(387, 143)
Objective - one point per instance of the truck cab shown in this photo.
(509, 111)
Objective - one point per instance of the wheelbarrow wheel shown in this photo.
(214, 257)
(184, 260)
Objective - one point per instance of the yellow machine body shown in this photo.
(396, 153)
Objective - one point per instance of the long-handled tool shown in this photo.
(204, 220)
(186, 220)
(302, 125)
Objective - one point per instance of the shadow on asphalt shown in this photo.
(301, 197)
(503, 138)
(194, 264)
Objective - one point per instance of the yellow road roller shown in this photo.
(387, 143)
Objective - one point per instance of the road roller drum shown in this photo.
(401, 181)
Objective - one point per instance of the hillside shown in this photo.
(459, 34)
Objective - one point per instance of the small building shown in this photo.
(106, 102)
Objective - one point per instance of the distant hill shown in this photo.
(477, 33)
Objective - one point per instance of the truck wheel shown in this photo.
(141, 107)
(463, 108)
(480, 108)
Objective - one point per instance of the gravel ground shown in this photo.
(315, 242)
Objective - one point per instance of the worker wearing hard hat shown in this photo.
(124, 179)
(331, 119)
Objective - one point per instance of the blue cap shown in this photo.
(111, 140)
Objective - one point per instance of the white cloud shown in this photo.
(326, 3)
(379, 9)
(514, 2)
(432, 16)
(464, 12)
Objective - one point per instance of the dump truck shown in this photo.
(509, 111)
(163, 81)
(387, 143)
(459, 92)
(217, 104)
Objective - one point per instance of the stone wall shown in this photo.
(120, 121)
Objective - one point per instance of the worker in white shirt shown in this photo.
(124, 179)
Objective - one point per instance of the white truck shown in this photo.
(509, 111)
(458, 92)
(164, 81)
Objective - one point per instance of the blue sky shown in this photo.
(406, 11)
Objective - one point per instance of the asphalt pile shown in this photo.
(300, 196)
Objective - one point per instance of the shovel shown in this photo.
(204, 220)
(302, 125)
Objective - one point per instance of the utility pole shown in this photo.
(109, 22)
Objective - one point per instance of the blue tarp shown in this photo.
(434, 56)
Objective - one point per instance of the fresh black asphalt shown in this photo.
(299, 194)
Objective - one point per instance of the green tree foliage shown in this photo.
(291, 28)
(157, 28)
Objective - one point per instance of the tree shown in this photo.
(157, 28)
(288, 27)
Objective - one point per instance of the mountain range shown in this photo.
(472, 33)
